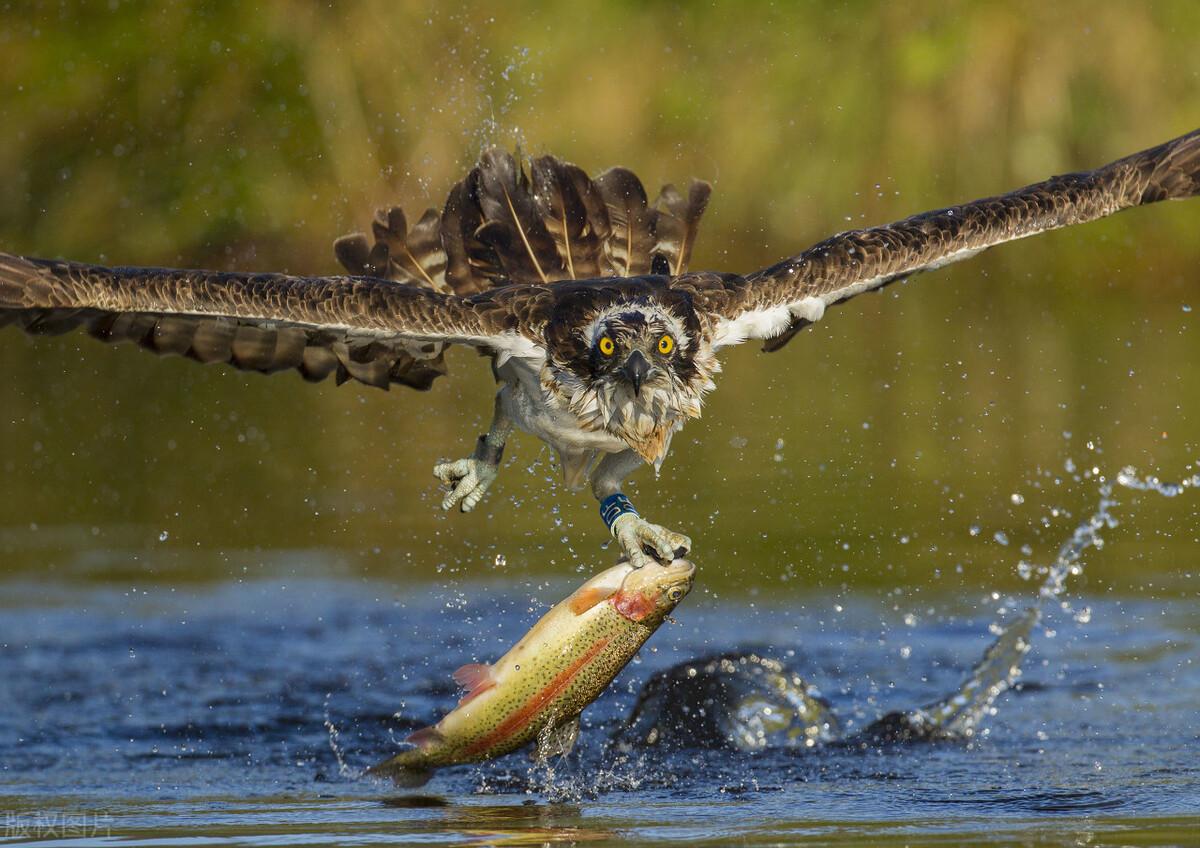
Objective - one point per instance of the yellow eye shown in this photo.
(606, 346)
(665, 345)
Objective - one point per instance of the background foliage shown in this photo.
(884, 448)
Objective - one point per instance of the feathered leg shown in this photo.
(634, 533)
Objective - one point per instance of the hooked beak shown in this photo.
(635, 370)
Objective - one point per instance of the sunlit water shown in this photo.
(246, 711)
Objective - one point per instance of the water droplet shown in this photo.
(1001, 537)
(163, 536)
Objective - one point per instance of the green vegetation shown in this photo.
(249, 135)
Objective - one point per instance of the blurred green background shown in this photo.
(884, 450)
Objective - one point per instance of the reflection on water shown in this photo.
(806, 472)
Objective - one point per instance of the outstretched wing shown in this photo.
(477, 273)
(375, 331)
(775, 303)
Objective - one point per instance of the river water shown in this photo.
(244, 712)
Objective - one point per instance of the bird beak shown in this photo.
(635, 370)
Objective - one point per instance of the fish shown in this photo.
(537, 690)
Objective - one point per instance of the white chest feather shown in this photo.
(525, 403)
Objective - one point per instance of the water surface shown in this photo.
(154, 715)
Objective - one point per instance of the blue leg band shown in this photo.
(613, 507)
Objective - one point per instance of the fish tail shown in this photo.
(410, 769)
(402, 771)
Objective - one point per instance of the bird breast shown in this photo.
(523, 401)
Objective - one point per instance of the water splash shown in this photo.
(335, 745)
(959, 714)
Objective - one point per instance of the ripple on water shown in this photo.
(227, 706)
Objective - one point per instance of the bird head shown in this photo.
(636, 367)
(636, 349)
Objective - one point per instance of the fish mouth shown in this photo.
(679, 574)
(681, 569)
(655, 577)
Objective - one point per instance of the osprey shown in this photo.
(603, 342)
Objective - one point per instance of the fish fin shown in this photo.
(424, 737)
(600, 588)
(404, 775)
(556, 741)
(587, 597)
(476, 678)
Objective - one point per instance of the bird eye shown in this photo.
(665, 345)
(606, 346)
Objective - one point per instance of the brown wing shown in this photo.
(374, 331)
(475, 274)
(503, 225)
(776, 302)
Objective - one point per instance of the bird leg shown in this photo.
(633, 533)
(470, 478)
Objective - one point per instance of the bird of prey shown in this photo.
(603, 342)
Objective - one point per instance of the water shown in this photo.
(164, 715)
(246, 711)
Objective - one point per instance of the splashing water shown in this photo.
(1087, 533)
(959, 714)
(335, 745)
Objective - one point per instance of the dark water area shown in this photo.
(245, 712)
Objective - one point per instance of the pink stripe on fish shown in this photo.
(516, 722)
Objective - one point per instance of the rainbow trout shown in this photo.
(538, 689)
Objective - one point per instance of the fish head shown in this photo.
(648, 594)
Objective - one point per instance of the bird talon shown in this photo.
(468, 479)
(644, 542)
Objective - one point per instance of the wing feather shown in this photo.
(777, 301)
(630, 246)
(371, 330)
(677, 223)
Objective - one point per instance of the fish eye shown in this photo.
(675, 593)
(606, 346)
(665, 345)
